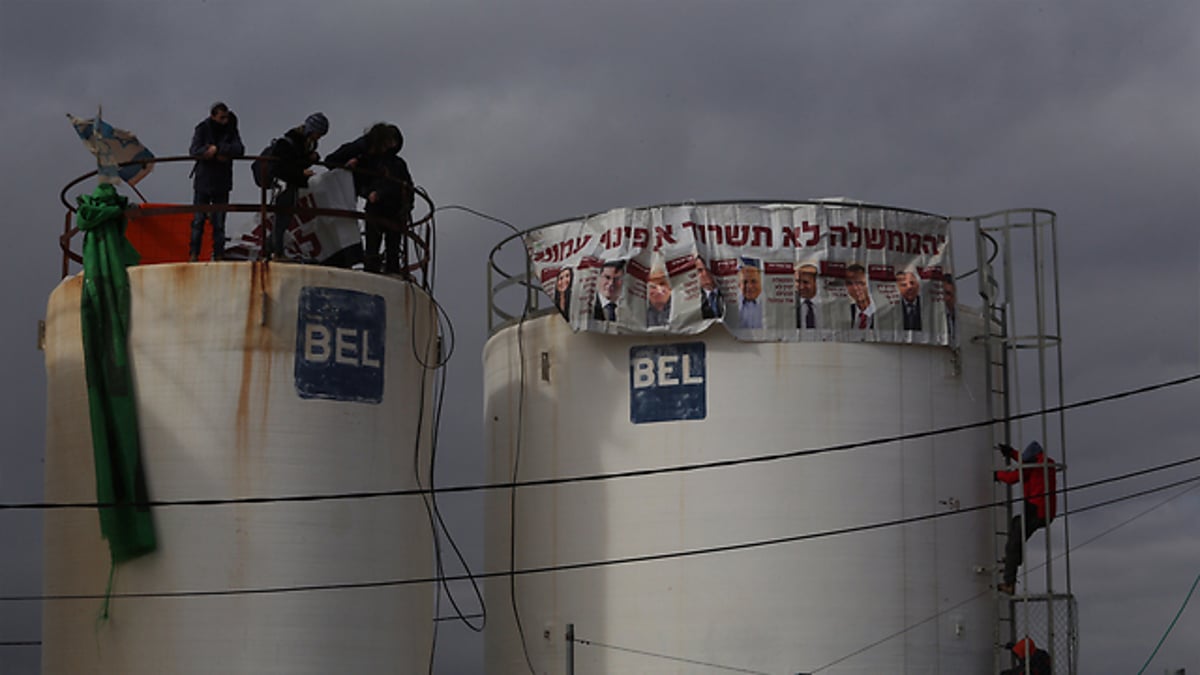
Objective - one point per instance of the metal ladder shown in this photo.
(1010, 330)
(994, 341)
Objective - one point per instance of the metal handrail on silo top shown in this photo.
(262, 207)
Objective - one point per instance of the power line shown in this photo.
(481, 214)
(512, 493)
(650, 557)
(680, 659)
(908, 628)
(633, 473)
(934, 616)
(1172, 626)
(977, 596)
(460, 617)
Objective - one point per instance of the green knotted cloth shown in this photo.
(125, 519)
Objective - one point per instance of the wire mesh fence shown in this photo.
(1036, 617)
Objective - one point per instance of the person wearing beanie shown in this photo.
(1036, 474)
(1030, 659)
(316, 125)
(292, 158)
(215, 142)
(381, 178)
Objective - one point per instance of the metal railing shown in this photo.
(414, 258)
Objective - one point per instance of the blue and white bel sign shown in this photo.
(339, 345)
(667, 383)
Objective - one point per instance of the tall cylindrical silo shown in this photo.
(687, 341)
(778, 608)
(252, 380)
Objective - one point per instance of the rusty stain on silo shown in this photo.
(256, 345)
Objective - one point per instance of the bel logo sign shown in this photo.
(667, 383)
(339, 345)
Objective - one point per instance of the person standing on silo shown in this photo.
(215, 142)
(381, 177)
(292, 156)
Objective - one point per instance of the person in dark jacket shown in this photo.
(381, 177)
(1039, 483)
(292, 158)
(1025, 650)
(215, 143)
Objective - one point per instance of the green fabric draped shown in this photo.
(120, 478)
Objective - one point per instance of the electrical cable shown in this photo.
(459, 618)
(425, 499)
(977, 596)
(517, 453)
(444, 337)
(441, 527)
(432, 340)
(856, 652)
(512, 495)
(441, 523)
(1172, 626)
(512, 532)
(632, 473)
(680, 659)
(650, 557)
(467, 209)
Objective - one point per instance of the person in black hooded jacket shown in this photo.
(215, 142)
(292, 158)
(381, 177)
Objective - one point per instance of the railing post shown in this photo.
(531, 293)
(570, 668)
(491, 300)
(262, 222)
(65, 244)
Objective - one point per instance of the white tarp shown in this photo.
(327, 240)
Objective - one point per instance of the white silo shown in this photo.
(252, 380)
(905, 598)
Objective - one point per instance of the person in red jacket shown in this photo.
(1027, 653)
(1039, 483)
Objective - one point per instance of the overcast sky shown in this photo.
(534, 112)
